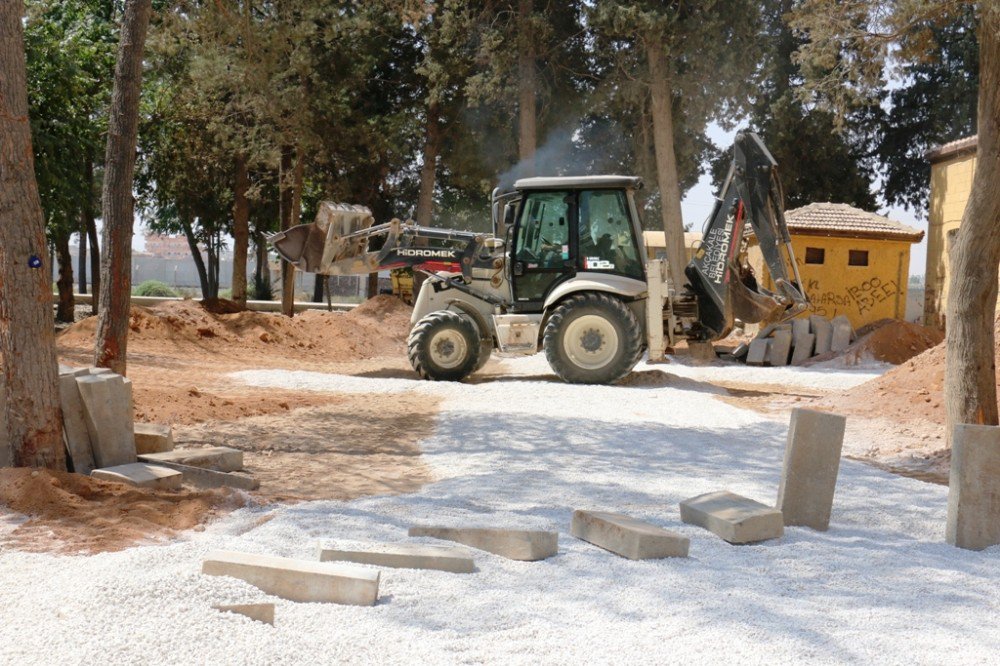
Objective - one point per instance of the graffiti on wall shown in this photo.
(863, 296)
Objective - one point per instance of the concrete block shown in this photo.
(800, 327)
(207, 478)
(259, 612)
(107, 399)
(732, 517)
(809, 471)
(780, 348)
(141, 475)
(702, 352)
(842, 333)
(974, 487)
(297, 580)
(75, 431)
(759, 348)
(153, 438)
(219, 458)
(626, 536)
(802, 351)
(823, 330)
(526, 545)
(404, 556)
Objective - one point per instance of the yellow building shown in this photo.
(852, 262)
(656, 247)
(952, 168)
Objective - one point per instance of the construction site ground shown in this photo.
(350, 446)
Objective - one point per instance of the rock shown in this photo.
(626, 536)
(75, 432)
(842, 333)
(142, 475)
(207, 478)
(219, 458)
(404, 556)
(153, 438)
(759, 348)
(803, 349)
(780, 347)
(260, 612)
(809, 471)
(526, 545)
(823, 330)
(734, 518)
(297, 580)
(107, 399)
(974, 487)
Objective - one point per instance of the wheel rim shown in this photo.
(590, 342)
(448, 349)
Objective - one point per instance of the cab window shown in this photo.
(607, 239)
(543, 237)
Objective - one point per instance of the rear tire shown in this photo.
(485, 351)
(444, 346)
(592, 338)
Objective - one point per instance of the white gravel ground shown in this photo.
(880, 586)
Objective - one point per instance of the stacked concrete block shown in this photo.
(153, 438)
(734, 518)
(842, 333)
(107, 399)
(823, 330)
(524, 545)
(802, 348)
(810, 468)
(141, 475)
(780, 348)
(297, 580)
(974, 487)
(200, 477)
(218, 458)
(75, 431)
(800, 327)
(403, 556)
(259, 612)
(759, 348)
(626, 536)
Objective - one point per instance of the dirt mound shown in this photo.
(886, 341)
(73, 513)
(377, 327)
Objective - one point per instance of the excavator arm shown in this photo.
(718, 278)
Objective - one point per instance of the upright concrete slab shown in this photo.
(780, 348)
(525, 545)
(800, 327)
(153, 438)
(974, 487)
(759, 348)
(141, 475)
(823, 330)
(732, 517)
(219, 458)
(809, 471)
(802, 350)
(297, 580)
(75, 432)
(627, 536)
(259, 612)
(107, 399)
(403, 556)
(842, 333)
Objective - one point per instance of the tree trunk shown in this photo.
(81, 267)
(285, 199)
(428, 172)
(199, 261)
(241, 231)
(970, 366)
(117, 204)
(372, 285)
(95, 250)
(30, 418)
(262, 272)
(661, 106)
(527, 89)
(66, 306)
(318, 288)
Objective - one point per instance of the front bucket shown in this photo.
(333, 237)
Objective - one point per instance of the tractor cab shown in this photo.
(568, 227)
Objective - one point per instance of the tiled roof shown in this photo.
(952, 148)
(836, 219)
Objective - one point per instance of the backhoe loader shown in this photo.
(565, 271)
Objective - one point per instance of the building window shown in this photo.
(815, 255)
(857, 257)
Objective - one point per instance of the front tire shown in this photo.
(592, 338)
(444, 346)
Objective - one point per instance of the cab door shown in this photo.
(543, 246)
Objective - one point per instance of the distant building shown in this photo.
(952, 169)
(656, 247)
(852, 262)
(167, 246)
